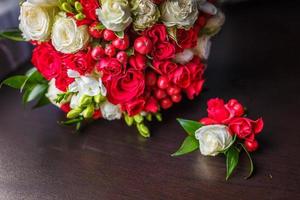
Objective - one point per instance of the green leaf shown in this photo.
(14, 81)
(231, 143)
(14, 34)
(251, 162)
(35, 93)
(43, 101)
(120, 34)
(189, 145)
(33, 77)
(232, 159)
(190, 126)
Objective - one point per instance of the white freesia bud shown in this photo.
(203, 47)
(110, 111)
(180, 13)
(184, 57)
(213, 139)
(53, 92)
(44, 2)
(36, 21)
(115, 14)
(67, 37)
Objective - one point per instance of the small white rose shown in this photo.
(115, 14)
(203, 47)
(36, 21)
(67, 37)
(43, 2)
(53, 92)
(184, 57)
(180, 13)
(110, 111)
(213, 139)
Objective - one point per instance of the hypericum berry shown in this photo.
(176, 98)
(160, 94)
(150, 78)
(163, 82)
(143, 45)
(122, 57)
(109, 35)
(172, 90)
(95, 31)
(251, 145)
(97, 53)
(166, 103)
(110, 50)
(121, 43)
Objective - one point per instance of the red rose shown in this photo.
(138, 61)
(200, 23)
(47, 60)
(187, 39)
(163, 50)
(244, 127)
(194, 89)
(89, 8)
(135, 107)
(62, 81)
(217, 111)
(125, 87)
(234, 106)
(151, 105)
(110, 67)
(81, 62)
(158, 1)
(196, 67)
(164, 67)
(181, 77)
(207, 121)
(65, 107)
(157, 33)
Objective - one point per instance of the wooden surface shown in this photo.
(255, 59)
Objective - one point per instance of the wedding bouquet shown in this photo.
(113, 59)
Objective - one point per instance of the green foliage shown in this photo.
(190, 126)
(250, 160)
(232, 159)
(189, 145)
(13, 34)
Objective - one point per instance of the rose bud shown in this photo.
(122, 57)
(163, 82)
(95, 30)
(138, 61)
(150, 78)
(98, 53)
(110, 50)
(172, 90)
(251, 145)
(121, 43)
(234, 106)
(143, 45)
(176, 98)
(166, 103)
(109, 35)
(160, 94)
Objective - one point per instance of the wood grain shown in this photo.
(254, 59)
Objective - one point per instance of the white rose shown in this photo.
(184, 57)
(110, 111)
(36, 21)
(67, 37)
(213, 139)
(180, 13)
(43, 2)
(203, 47)
(115, 14)
(53, 92)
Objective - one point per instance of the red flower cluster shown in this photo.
(232, 114)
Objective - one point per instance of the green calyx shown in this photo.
(72, 6)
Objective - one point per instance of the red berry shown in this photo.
(97, 114)
(109, 35)
(97, 53)
(251, 145)
(163, 82)
(110, 50)
(122, 57)
(150, 78)
(143, 45)
(172, 90)
(121, 43)
(160, 94)
(166, 103)
(95, 30)
(176, 98)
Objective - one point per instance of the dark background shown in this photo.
(255, 59)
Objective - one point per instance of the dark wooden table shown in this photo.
(256, 59)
